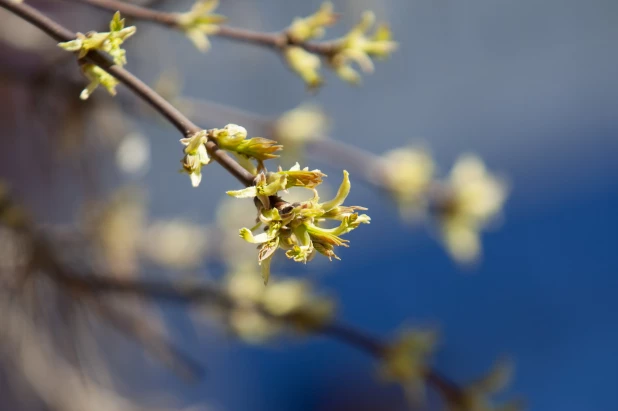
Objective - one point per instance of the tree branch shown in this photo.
(175, 117)
(276, 40)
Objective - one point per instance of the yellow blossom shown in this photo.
(311, 27)
(108, 42)
(98, 77)
(295, 227)
(357, 47)
(305, 64)
(195, 156)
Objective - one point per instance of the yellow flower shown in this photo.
(195, 157)
(311, 27)
(233, 138)
(295, 227)
(357, 47)
(108, 42)
(98, 77)
(295, 177)
(305, 64)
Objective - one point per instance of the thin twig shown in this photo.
(175, 117)
(276, 40)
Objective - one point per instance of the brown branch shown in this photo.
(277, 40)
(175, 117)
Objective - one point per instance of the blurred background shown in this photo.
(529, 86)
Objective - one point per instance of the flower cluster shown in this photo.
(355, 47)
(199, 22)
(232, 138)
(296, 228)
(359, 47)
(463, 205)
(109, 42)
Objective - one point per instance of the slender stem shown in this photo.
(270, 40)
(175, 117)
(275, 40)
(134, 11)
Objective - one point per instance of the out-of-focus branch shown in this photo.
(162, 106)
(212, 295)
(89, 286)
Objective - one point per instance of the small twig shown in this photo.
(175, 117)
(276, 40)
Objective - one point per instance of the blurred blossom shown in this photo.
(407, 173)
(199, 22)
(406, 360)
(313, 26)
(246, 288)
(307, 122)
(254, 316)
(475, 198)
(133, 154)
(299, 126)
(476, 396)
(117, 228)
(176, 244)
(305, 64)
